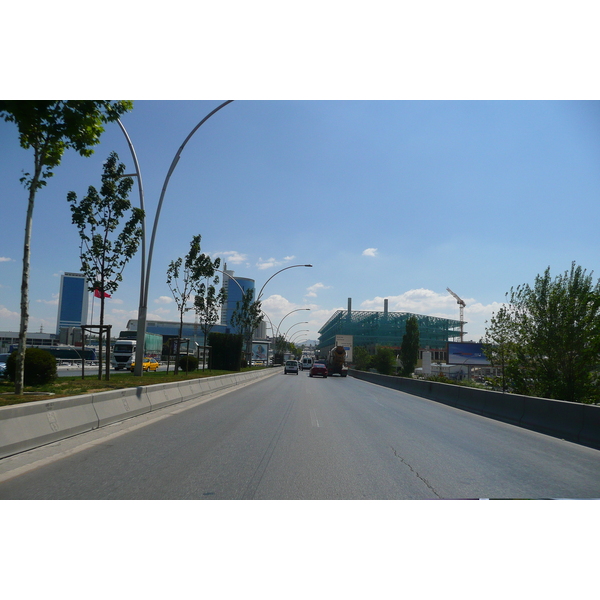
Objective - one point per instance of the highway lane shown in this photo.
(295, 437)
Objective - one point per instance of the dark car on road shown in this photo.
(318, 369)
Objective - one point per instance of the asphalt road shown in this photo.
(295, 437)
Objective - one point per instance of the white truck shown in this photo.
(306, 363)
(125, 345)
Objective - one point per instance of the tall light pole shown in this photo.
(262, 289)
(267, 281)
(147, 263)
(292, 311)
(295, 334)
(294, 325)
(138, 174)
(232, 278)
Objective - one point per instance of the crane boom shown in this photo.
(462, 305)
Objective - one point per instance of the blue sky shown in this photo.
(387, 199)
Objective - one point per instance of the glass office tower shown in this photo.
(73, 301)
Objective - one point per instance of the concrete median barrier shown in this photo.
(590, 432)
(26, 426)
(164, 394)
(117, 405)
(508, 408)
(571, 421)
(554, 417)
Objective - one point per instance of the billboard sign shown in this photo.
(260, 351)
(346, 342)
(466, 353)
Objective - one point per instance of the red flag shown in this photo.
(98, 295)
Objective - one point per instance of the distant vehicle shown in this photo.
(306, 363)
(318, 368)
(336, 361)
(3, 359)
(124, 348)
(149, 364)
(291, 366)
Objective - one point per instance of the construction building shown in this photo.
(376, 328)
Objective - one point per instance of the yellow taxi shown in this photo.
(149, 364)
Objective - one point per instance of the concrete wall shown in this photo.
(27, 426)
(571, 421)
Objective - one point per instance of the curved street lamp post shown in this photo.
(267, 281)
(295, 334)
(285, 316)
(294, 325)
(147, 262)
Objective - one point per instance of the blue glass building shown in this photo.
(73, 301)
(234, 295)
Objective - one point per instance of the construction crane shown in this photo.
(462, 305)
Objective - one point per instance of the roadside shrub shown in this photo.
(226, 351)
(40, 366)
(384, 360)
(188, 363)
(362, 358)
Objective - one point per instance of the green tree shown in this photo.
(279, 348)
(551, 336)
(361, 358)
(207, 304)
(246, 317)
(50, 127)
(97, 217)
(409, 352)
(501, 348)
(184, 277)
(384, 360)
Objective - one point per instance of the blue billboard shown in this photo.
(466, 353)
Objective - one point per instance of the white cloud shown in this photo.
(8, 314)
(272, 262)
(313, 289)
(232, 257)
(163, 300)
(266, 264)
(6, 259)
(370, 252)
(53, 302)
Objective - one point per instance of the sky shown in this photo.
(401, 149)
(388, 199)
(400, 152)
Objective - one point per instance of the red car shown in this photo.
(318, 369)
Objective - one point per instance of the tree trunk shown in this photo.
(20, 365)
(177, 354)
(100, 346)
